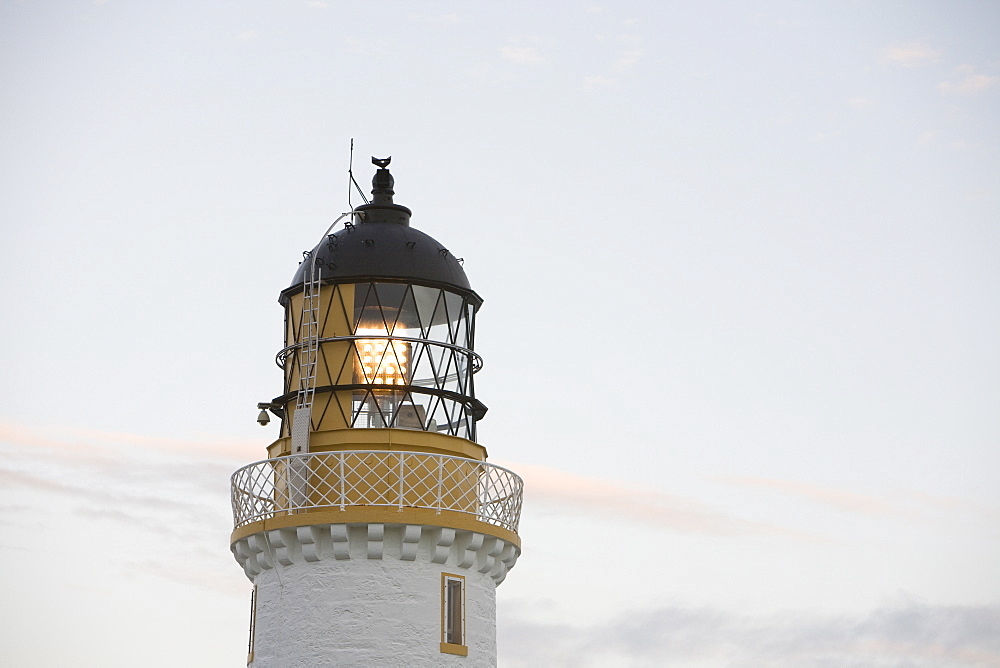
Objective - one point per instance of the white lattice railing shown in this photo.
(340, 480)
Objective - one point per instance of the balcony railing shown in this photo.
(342, 480)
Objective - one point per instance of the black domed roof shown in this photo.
(383, 246)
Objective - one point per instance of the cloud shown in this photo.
(91, 443)
(828, 496)
(123, 496)
(104, 492)
(126, 479)
(124, 518)
(595, 83)
(908, 633)
(912, 54)
(637, 503)
(927, 138)
(449, 19)
(860, 102)
(228, 581)
(629, 53)
(522, 55)
(247, 35)
(317, 4)
(13, 478)
(624, 39)
(906, 504)
(627, 60)
(367, 47)
(820, 137)
(968, 83)
(952, 506)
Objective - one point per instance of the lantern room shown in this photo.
(391, 317)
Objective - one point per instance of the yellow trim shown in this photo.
(460, 650)
(377, 515)
(407, 440)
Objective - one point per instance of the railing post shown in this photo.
(287, 486)
(482, 490)
(340, 456)
(400, 482)
(440, 482)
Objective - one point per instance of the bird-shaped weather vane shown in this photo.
(381, 162)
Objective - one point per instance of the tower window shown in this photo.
(453, 614)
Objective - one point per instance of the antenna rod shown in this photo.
(350, 176)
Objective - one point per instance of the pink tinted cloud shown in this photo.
(911, 54)
(583, 494)
(92, 443)
(909, 504)
(830, 496)
(950, 504)
(969, 84)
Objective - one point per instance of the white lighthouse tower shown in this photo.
(376, 533)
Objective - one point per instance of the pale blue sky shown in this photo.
(739, 263)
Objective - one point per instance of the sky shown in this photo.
(740, 271)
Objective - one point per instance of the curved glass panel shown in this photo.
(390, 355)
(412, 363)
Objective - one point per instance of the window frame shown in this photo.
(453, 615)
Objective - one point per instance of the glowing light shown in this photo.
(383, 362)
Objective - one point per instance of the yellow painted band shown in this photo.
(409, 440)
(378, 515)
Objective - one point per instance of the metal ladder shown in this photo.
(308, 357)
(309, 346)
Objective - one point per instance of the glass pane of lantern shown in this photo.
(439, 330)
(470, 314)
(408, 320)
(385, 314)
(426, 300)
(454, 303)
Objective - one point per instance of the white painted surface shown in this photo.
(370, 594)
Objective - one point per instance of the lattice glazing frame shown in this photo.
(429, 331)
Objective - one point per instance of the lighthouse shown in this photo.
(376, 532)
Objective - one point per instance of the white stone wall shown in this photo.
(370, 594)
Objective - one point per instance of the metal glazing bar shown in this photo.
(283, 354)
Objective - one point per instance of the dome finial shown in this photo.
(382, 182)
